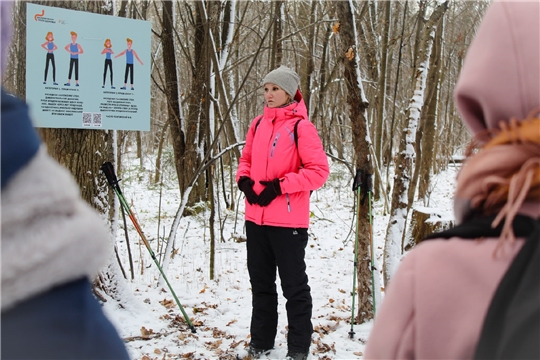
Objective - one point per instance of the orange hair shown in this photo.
(105, 44)
(47, 36)
(129, 40)
(73, 33)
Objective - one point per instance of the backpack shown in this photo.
(511, 329)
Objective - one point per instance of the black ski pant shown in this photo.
(73, 63)
(108, 64)
(129, 70)
(268, 248)
(50, 59)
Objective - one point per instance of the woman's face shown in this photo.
(275, 96)
(49, 36)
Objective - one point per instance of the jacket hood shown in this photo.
(297, 109)
(19, 141)
(500, 78)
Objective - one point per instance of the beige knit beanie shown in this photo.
(285, 78)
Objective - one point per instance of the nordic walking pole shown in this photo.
(357, 184)
(108, 170)
(370, 192)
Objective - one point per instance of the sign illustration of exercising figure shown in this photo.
(130, 53)
(50, 47)
(108, 61)
(74, 50)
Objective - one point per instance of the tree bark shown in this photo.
(83, 151)
(405, 156)
(277, 46)
(308, 64)
(175, 117)
(357, 113)
(381, 96)
(196, 118)
(430, 124)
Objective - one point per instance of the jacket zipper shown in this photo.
(288, 202)
(274, 145)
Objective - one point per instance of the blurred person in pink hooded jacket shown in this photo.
(282, 162)
(437, 301)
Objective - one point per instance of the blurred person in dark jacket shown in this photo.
(53, 244)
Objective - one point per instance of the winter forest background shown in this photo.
(377, 78)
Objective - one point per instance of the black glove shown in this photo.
(245, 184)
(270, 192)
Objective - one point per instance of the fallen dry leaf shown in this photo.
(213, 345)
(234, 344)
(167, 303)
(146, 332)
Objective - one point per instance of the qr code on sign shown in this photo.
(96, 119)
(87, 119)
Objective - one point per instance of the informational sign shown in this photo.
(87, 71)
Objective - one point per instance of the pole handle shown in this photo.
(357, 183)
(108, 170)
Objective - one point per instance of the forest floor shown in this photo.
(151, 323)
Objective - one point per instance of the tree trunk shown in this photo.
(357, 112)
(277, 45)
(83, 151)
(378, 139)
(426, 129)
(430, 124)
(308, 65)
(159, 170)
(387, 155)
(175, 117)
(196, 118)
(404, 160)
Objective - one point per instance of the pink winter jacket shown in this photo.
(435, 304)
(270, 152)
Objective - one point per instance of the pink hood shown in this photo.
(270, 152)
(435, 304)
(500, 78)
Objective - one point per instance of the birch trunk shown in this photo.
(405, 156)
(430, 124)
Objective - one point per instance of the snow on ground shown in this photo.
(151, 323)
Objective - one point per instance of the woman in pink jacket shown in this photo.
(436, 303)
(282, 162)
